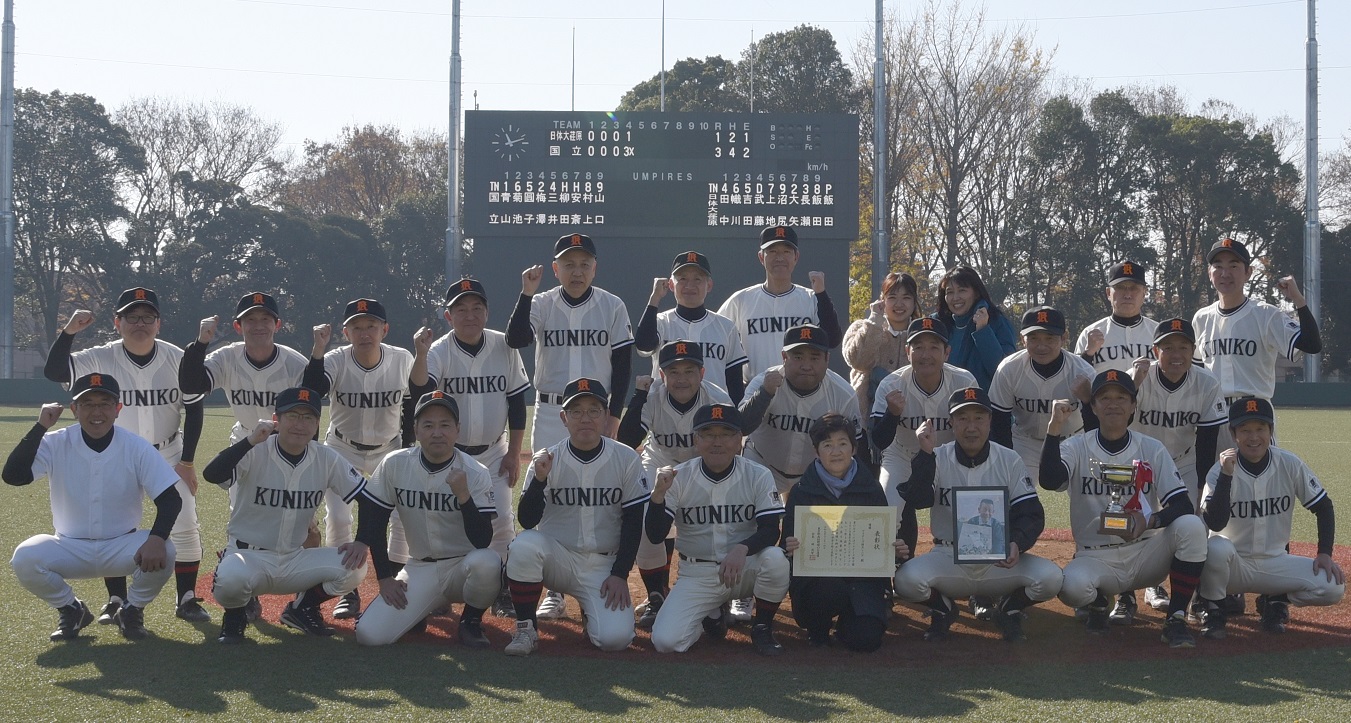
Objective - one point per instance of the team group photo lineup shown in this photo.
(699, 446)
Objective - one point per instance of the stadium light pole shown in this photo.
(453, 162)
(881, 240)
(1313, 282)
(7, 196)
(663, 56)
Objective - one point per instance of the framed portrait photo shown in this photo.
(980, 517)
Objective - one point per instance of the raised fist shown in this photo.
(1139, 371)
(322, 333)
(1060, 411)
(261, 432)
(659, 289)
(206, 329)
(541, 464)
(78, 321)
(49, 413)
(643, 382)
(1082, 389)
(1095, 341)
(925, 436)
(530, 279)
(896, 402)
(1289, 288)
(818, 280)
(773, 379)
(422, 342)
(981, 318)
(1228, 458)
(665, 476)
(459, 483)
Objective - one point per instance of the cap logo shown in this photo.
(1042, 317)
(970, 395)
(1252, 406)
(361, 306)
(927, 323)
(584, 386)
(1177, 325)
(96, 380)
(805, 334)
(680, 349)
(304, 395)
(466, 285)
(140, 294)
(438, 395)
(1111, 376)
(692, 257)
(576, 239)
(780, 232)
(1227, 243)
(257, 298)
(717, 413)
(1128, 269)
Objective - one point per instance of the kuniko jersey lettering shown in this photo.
(152, 405)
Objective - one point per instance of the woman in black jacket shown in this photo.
(856, 606)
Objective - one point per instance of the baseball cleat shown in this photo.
(1275, 614)
(1123, 613)
(108, 615)
(1156, 597)
(232, 626)
(552, 606)
(716, 628)
(253, 609)
(503, 606)
(1175, 631)
(1233, 605)
(982, 608)
(192, 611)
(1096, 623)
(1010, 624)
(1212, 622)
(71, 619)
(940, 619)
(348, 607)
(131, 621)
(762, 637)
(307, 619)
(525, 640)
(471, 635)
(650, 610)
(741, 609)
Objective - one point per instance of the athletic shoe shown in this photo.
(1233, 605)
(307, 619)
(471, 634)
(253, 609)
(1175, 631)
(1157, 598)
(71, 619)
(131, 621)
(503, 607)
(650, 610)
(1213, 622)
(762, 637)
(232, 625)
(552, 606)
(741, 610)
(1123, 613)
(108, 615)
(1096, 623)
(348, 607)
(716, 628)
(982, 608)
(1010, 624)
(1275, 614)
(192, 611)
(939, 621)
(525, 640)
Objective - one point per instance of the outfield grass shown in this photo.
(181, 672)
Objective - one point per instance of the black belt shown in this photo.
(477, 449)
(440, 559)
(246, 546)
(357, 445)
(168, 441)
(551, 398)
(781, 472)
(687, 558)
(943, 543)
(1114, 544)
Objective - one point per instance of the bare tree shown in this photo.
(366, 171)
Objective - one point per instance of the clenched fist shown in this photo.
(78, 322)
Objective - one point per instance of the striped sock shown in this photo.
(764, 611)
(525, 597)
(1183, 577)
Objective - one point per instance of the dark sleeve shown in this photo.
(516, 410)
(621, 365)
(1090, 419)
(19, 467)
(1087, 357)
(406, 407)
(478, 524)
(631, 426)
(519, 332)
(789, 510)
(167, 507)
(645, 336)
(530, 509)
(222, 468)
(57, 367)
(1327, 524)
(753, 410)
(417, 390)
(192, 375)
(372, 529)
(1053, 472)
(884, 429)
(830, 322)
(1178, 505)
(736, 383)
(1207, 439)
(1026, 521)
(194, 415)
(1308, 341)
(314, 377)
(766, 534)
(1215, 507)
(657, 522)
(1001, 428)
(918, 490)
(630, 534)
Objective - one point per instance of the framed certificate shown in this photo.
(835, 541)
(980, 518)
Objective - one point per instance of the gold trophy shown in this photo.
(1120, 481)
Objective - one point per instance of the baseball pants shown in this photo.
(243, 574)
(652, 555)
(338, 514)
(473, 579)
(536, 557)
(1134, 565)
(504, 525)
(186, 534)
(700, 591)
(935, 570)
(895, 471)
(547, 427)
(1227, 572)
(1030, 450)
(43, 563)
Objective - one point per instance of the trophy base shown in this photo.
(1120, 524)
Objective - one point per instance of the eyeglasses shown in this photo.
(102, 406)
(591, 413)
(300, 417)
(145, 320)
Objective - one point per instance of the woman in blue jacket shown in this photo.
(981, 335)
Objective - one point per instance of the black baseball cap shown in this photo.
(568, 242)
(256, 300)
(1247, 408)
(96, 382)
(584, 387)
(691, 258)
(465, 287)
(364, 307)
(437, 399)
(678, 351)
(805, 335)
(1126, 271)
(1113, 377)
(294, 397)
(137, 295)
(717, 415)
(778, 235)
(1169, 327)
(1044, 318)
(926, 325)
(968, 397)
(1234, 247)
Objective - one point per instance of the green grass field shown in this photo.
(181, 672)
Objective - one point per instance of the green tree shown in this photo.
(365, 172)
(691, 85)
(795, 71)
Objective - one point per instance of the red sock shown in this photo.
(525, 597)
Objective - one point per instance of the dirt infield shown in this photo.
(1052, 632)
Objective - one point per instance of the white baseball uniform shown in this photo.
(445, 567)
(937, 569)
(1173, 415)
(1250, 554)
(1122, 344)
(251, 389)
(762, 318)
(96, 508)
(1240, 348)
(781, 442)
(919, 407)
(711, 516)
(715, 334)
(1018, 388)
